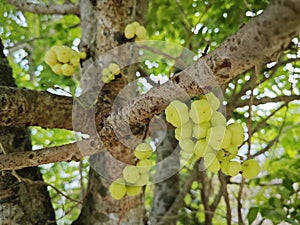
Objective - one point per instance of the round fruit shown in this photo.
(224, 166)
(215, 136)
(233, 168)
(200, 111)
(105, 79)
(75, 61)
(67, 69)
(57, 68)
(211, 162)
(114, 68)
(143, 151)
(222, 155)
(64, 54)
(106, 72)
(187, 145)
(231, 151)
(177, 113)
(117, 189)
(213, 101)
(130, 31)
(237, 132)
(141, 32)
(250, 169)
(143, 180)
(218, 119)
(82, 55)
(200, 130)
(185, 131)
(50, 58)
(135, 24)
(226, 140)
(144, 165)
(201, 147)
(56, 48)
(133, 190)
(131, 174)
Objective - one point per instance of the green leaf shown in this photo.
(275, 202)
(276, 215)
(252, 214)
(288, 184)
(267, 212)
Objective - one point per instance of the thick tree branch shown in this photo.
(69, 152)
(34, 108)
(45, 9)
(260, 41)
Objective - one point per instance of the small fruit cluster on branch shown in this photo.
(134, 177)
(203, 131)
(109, 73)
(136, 31)
(63, 60)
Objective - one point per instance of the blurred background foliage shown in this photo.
(200, 26)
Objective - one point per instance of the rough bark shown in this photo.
(102, 24)
(68, 152)
(21, 202)
(258, 42)
(20, 107)
(167, 179)
(45, 9)
(34, 108)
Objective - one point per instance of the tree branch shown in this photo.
(179, 201)
(69, 152)
(239, 202)
(34, 108)
(260, 101)
(264, 100)
(223, 181)
(267, 148)
(261, 40)
(45, 9)
(261, 123)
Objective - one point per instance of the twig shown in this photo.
(249, 123)
(223, 182)
(188, 25)
(81, 178)
(239, 203)
(205, 198)
(52, 186)
(269, 145)
(213, 206)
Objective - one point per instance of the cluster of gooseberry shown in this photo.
(134, 177)
(135, 30)
(203, 131)
(108, 74)
(63, 60)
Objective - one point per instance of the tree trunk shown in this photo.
(22, 201)
(103, 24)
(167, 186)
